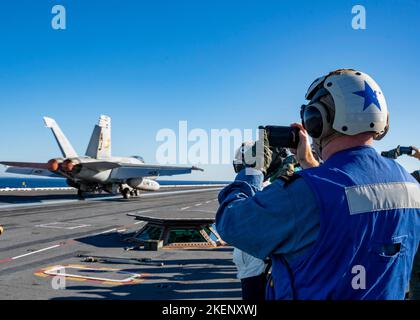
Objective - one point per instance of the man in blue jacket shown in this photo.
(346, 229)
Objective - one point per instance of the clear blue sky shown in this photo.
(218, 64)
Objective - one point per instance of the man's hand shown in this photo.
(416, 152)
(239, 161)
(257, 156)
(303, 152)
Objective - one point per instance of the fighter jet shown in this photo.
(98, 170)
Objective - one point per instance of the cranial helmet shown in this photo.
(239, 161)
(344, 102)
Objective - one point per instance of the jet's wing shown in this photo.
(33, 165)
(124, 172)
(142, 170)
(32, 172)
(28, 168)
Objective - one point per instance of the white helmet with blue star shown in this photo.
(359, 105)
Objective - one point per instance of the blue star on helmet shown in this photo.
(370, 97)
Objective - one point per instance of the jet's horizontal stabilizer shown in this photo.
(100, 142)
(63, 143)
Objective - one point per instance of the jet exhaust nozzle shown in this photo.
(68, 165)
(53, 165)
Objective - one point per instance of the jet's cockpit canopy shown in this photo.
(139, 158)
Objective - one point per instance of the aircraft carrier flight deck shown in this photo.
(48, 235)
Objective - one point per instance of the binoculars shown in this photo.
(398, 151)
(281, 137)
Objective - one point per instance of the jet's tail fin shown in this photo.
(100, 142)
(63, 143)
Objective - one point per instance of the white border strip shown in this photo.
(383, 196)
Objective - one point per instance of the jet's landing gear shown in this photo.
(126, 193)
(80, 195)
(135, 193)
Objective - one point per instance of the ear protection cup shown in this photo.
(386, 129)
(316, 120)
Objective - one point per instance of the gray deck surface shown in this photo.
(52, 229)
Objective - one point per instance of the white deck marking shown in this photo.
(144, 211)
(62, 225)
(185, 208)
(204, 211)
(61, 271)
(35, 252)
(106, 231)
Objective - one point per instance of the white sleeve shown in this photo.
(247, 265)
